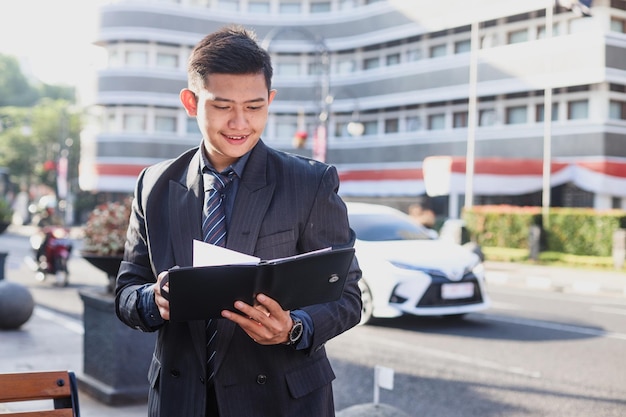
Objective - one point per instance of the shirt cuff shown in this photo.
(307, 329)
(148, 309)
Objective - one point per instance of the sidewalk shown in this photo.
(558, 279)
(52, 341)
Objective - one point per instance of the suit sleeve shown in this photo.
(328, 226)
(134, 298)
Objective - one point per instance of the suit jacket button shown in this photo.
(261, 379)
(175, 373)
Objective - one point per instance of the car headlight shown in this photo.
(479, 270)
(409, 267)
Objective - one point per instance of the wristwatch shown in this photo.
(296, 331)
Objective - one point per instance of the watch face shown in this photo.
(296, 332)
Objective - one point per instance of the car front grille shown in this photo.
(432, 296)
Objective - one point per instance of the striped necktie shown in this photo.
(214, 216)
(214, 232)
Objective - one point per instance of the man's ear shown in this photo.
(190, 102)
(271, 97)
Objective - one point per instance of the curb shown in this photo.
(371, 410)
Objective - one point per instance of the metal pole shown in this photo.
(471, 116)
(322, 54)
(547, 121)
(320, 149)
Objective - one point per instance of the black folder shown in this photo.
(200, 293)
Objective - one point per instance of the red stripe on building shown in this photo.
(504, 166)
(614, 169)
(382, 174)
(118, 169)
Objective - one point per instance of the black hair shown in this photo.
(230, 50)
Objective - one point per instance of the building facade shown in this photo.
(381, 89)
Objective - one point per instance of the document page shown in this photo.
(205, 254)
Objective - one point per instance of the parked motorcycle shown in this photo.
(52, 248)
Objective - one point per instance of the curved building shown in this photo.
(382, 89)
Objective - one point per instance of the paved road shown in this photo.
(53, 337)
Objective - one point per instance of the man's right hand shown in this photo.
(162, 302)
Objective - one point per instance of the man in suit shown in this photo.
(268, 362)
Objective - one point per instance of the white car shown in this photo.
(408, 271)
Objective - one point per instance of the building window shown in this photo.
(192, 126)
(341, 129)
(165, 124)
(516, 115)
(541, 31)
(438, 51)
(437, 121)
(517, 36)
(392, 126)
(393, 59)
(617, 110)
(320, 7)
(414, 54)
(134, 123)
(136, 59)
(346, 66)
(288, 69)
(459, 119)
(259, 6)
(110, 124)
(346, 4)
(462, 46)
(165, 60)
(487, 117)
(413, 123)
(289, 7)
(199, 3)
(618, 25)
(578, 109)
(286, 129)
(616, 203)
(371, 63)
(228, 5)
(114, 59)
(539, 115)
(370, 127)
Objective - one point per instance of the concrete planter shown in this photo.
(115, 357)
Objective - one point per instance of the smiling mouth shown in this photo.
(238, 137)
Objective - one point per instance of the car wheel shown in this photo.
(368, 302)
(62, 276)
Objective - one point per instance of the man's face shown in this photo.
(231, 112)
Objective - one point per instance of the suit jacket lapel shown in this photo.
(185, 212)
(253, 198)
(186, 197)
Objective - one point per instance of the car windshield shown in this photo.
(382, 226)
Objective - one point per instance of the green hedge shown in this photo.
(576, 231)
(501, 226)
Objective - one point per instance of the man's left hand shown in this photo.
(266, 322)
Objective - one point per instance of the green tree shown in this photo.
(15, 90)
(32, 137)
(38, 124)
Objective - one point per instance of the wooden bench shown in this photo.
(59, 386)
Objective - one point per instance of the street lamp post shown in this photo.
(322, 67)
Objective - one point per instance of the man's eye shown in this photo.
(221, 107)
(255, 107)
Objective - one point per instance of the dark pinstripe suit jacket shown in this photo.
(285, 205)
